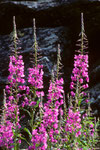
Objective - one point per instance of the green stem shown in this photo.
(58, 61)
(15, 37)
(16, 131)
(32, 118)
(82, 33)
(35, 42)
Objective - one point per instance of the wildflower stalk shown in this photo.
(58, 61)
(15, 78)
(77, 96)
(16, 147)
(89, 108)
(15, 37)
(34, 96)
(35, 42)
(4, 112)
(6, 134)
(65, 108)
(36, 65)
(54, 106)
(80, 71)
(82, 33)
(59, 66)
(41, 108)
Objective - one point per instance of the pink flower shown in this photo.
(39, 94)
(81, 80)
(39, 137)
(73, 122)
(11, 98)
(72, 85)
(55, 126)
(79, 75)
(35, 77)
(72, 94)
(52, 108)
(91, 125)
(78, 133)
(32, 103)
(86, 100)
(6, 135)
(16, 70)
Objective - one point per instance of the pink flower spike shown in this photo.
(86, 100)
(72, 94)
(11, 98)
(81, 80)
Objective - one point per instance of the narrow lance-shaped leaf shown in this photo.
(28, 131)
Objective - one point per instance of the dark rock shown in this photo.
(95, 91)
(82, 1)
(48, 39)
(49, 14)
(98, 98)
(95, 99)
(92, 100)
(96, 112)
(95, 74)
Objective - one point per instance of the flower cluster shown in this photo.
(6, 135)
(35, 77)
(39, 139)
(79, 76)
(56, 90)
(91, 130)
(11, 111)
(52, 109)
(73, 123)
(16, 70)
(9, 130)
(11, 108)
(16, 80)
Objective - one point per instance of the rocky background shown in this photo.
(57, 21)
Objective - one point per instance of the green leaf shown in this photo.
(28, 131)
(38, 101)
(79, 102)
(26, 111)
(37, 145)
(91, 118)
(84, 143)
(13, 132)
(36, 125)
(22, 138)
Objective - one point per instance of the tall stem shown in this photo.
(16, 86)
(35, 42)
(58, 61)
(15, 37)
(82, 33)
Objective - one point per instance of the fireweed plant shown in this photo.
(50, 125)
(79, 77)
